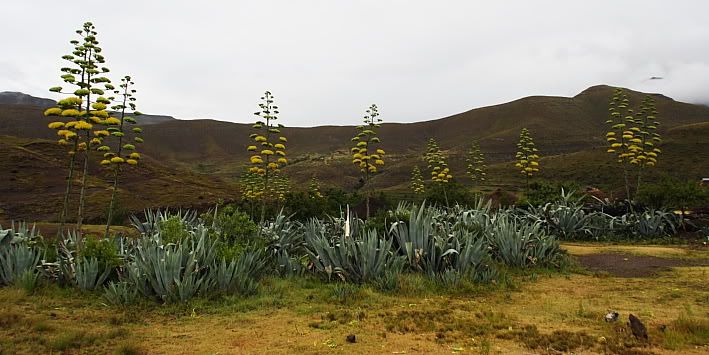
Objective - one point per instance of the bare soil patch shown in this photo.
(629, 265)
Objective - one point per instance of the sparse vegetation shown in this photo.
(456, 271)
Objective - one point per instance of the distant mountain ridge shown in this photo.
(559, 125)
(14, 98)
(18, 98)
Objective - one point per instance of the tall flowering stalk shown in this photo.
(476, 167)
(314, 188)
(251, 189)
(280, 184)
(124, 151)
(437, 166)
(632, 136)
(365, 154)
(647, 121)
(80, 112)
(417, 185)
(527, 156)
(269, 150)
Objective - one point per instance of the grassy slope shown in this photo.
(34, 174)
(307, 317)
(206, 156)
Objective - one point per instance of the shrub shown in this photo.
(673, 193)
(543, 192)
(234, 229)
(101, 249)
(173, 229)
(456, 193)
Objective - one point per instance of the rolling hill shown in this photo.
(569, 131)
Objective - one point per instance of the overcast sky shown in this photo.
(326, 61)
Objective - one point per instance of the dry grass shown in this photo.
(648, 250)
(546, 313)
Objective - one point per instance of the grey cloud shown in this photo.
(326, 61)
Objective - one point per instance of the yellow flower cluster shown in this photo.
(417, 184)
(265, 162)
(364, 156)
(440, 173)
(527, 155)
(632, 137)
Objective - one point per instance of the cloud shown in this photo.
(327, 61)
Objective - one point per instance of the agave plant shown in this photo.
(15, 260)
(19, 256)
(173, 272)
(519, 243)
(120, 294)
(565, 217)
(599, 225)
(415, 237)
(240, 275)
(351, 258)
(285, 243)
(654, 223)
(20, 233)
(153, 218)
(89, 274)
(430, 242)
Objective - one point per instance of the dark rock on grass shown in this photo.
(638, 328)
(351, 338)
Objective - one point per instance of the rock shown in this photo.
(351, 338)
(638, 328)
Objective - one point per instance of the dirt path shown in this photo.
(629, 265)
(635, 260)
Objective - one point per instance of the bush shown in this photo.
(234, 229)
(673, 193)
(449, 194)
(173, 229)
(543, 192)
(101, 249)
(303, 206)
